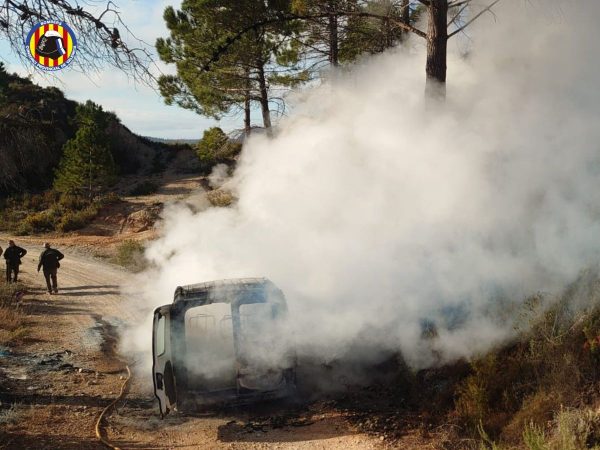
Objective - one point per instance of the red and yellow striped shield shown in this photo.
(51, 45)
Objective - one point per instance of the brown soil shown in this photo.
(67, 370)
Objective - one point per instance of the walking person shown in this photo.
(49, 261)
(13, 255)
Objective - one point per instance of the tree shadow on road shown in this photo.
(88, 293)
(89, 287)
(54, 308)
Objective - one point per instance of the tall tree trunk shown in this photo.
(388, 41)
(405, 9)
(437, 43)
(247, 123)
(264, 97)
(334, 58)
(247, 106)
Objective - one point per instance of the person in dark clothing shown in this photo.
(49, 261)
(13, 255)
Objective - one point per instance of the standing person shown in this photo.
(13, 255)
(49, 260)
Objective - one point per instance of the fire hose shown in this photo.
(99, 435)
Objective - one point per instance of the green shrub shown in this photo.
(50, 211)
(72, 221)
(130, 254)
(11, 218)
(146, 187)
(36, 202)
(40, 221)
(23, 229)
(73, 202)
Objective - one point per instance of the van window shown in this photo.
(209, 349)
(159, 345)
(260, 333)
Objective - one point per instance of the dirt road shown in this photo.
(67, 370)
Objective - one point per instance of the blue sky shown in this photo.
(139, 107)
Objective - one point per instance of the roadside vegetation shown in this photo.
(540, 391)
(130, 254)
(220, 198)
(50, 211)
(12, 318)
(13, 413)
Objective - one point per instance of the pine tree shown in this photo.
(255, 70)
(87, 167)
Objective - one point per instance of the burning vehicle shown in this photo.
(222, 342)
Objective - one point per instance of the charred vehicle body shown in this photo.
(222, 342)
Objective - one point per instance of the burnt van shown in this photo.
(222, 343)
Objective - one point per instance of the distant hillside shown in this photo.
(35, 123)
(172, 141)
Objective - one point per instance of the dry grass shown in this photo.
(130, 254)
(536, 393)
(220, 198)
(12, 317)
(11, 294)
(537, 411)
(577, 429)
(13, 414)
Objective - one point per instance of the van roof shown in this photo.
(229, 286)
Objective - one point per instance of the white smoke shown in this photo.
(218, 176)
(377, 214)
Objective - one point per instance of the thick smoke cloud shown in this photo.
(379, 215)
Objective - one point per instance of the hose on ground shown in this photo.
(99, 435)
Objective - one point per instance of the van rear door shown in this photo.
(162, 366)
(262, 347)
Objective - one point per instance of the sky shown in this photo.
(139, 107)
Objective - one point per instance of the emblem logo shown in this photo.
(51, 45)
